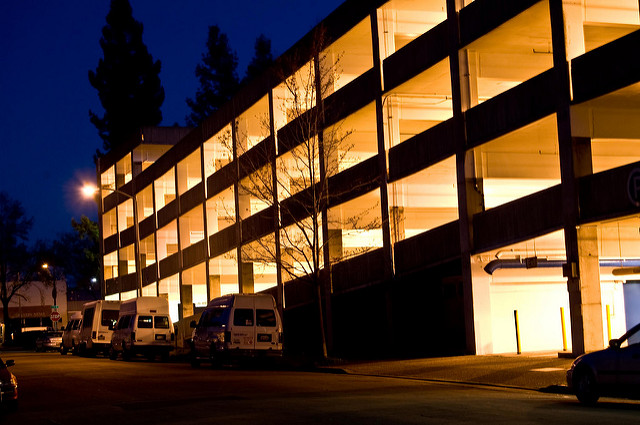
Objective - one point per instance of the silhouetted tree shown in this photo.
(16, 267)
(262, 58)
(295, 185)
(217, 76)
(127, 79)
(77, 253)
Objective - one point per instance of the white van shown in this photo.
(144, 327)
(235, 326)
(71, 334)
(98, 319)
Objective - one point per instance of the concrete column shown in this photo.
(247, 279)
(214, 286)
(387, 26)
(574, 27)
(581, 269)
(470, 198)
(589, 268)
(186, 297)
(468, 78)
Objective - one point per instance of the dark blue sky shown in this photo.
(46, 50)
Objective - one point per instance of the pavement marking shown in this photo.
(548, 369)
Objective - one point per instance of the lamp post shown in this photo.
(54, 292)
(88, 191)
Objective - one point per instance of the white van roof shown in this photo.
(257, 300)
(148, 305)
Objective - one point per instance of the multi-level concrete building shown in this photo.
(491, 146)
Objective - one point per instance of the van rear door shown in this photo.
(267, 335)
(144, 328)
(244, 328)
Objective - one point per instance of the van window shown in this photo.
(123, 323)
(161, 322)
(109, 317)
(145, 322)
(243, 317)
(266, 318)
(87, 317)
(214, 317)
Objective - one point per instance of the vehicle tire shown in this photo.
(126, 355)
(164, 357)
(193, 359)
(216, 362)
(12, 406)
(113, 354)
(586, 388)
(74, 348)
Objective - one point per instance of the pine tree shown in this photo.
(262, 58)
(217, 76)
(127, 79)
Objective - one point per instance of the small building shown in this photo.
(31, 307)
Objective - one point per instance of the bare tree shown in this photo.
(294, 184)
(16, 268)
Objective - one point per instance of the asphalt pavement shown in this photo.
(532, 371)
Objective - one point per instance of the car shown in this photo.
(71, 335)
(614, 371)
(49, 340)
(8, 386)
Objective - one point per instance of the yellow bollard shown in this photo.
(564, 329)
(608, 324)
(515, 317)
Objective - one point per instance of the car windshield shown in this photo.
(632, 336)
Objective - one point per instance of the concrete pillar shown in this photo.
(247, 279)
(589, 277)
(463, 66)
(186, 297)
(583, 279)
(468, 78)
(387, 28)
(397, 218)
(483, 325)
(214, 286)
(574, 27)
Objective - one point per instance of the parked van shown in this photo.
(144, 327)
(98, 319)
(71, 334)
(237, 325)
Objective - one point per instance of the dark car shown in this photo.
(614, 371)
(49, 340)
(8, 386)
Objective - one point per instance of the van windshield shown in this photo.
(216, 316)
(109, 317)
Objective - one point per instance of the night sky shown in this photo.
(46, 50)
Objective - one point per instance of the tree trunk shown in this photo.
(6, 320)
(323, 339)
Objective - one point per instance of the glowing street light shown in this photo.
(89, 191)
(54, 291)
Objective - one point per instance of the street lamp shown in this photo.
(89, 191)
(54, 292)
